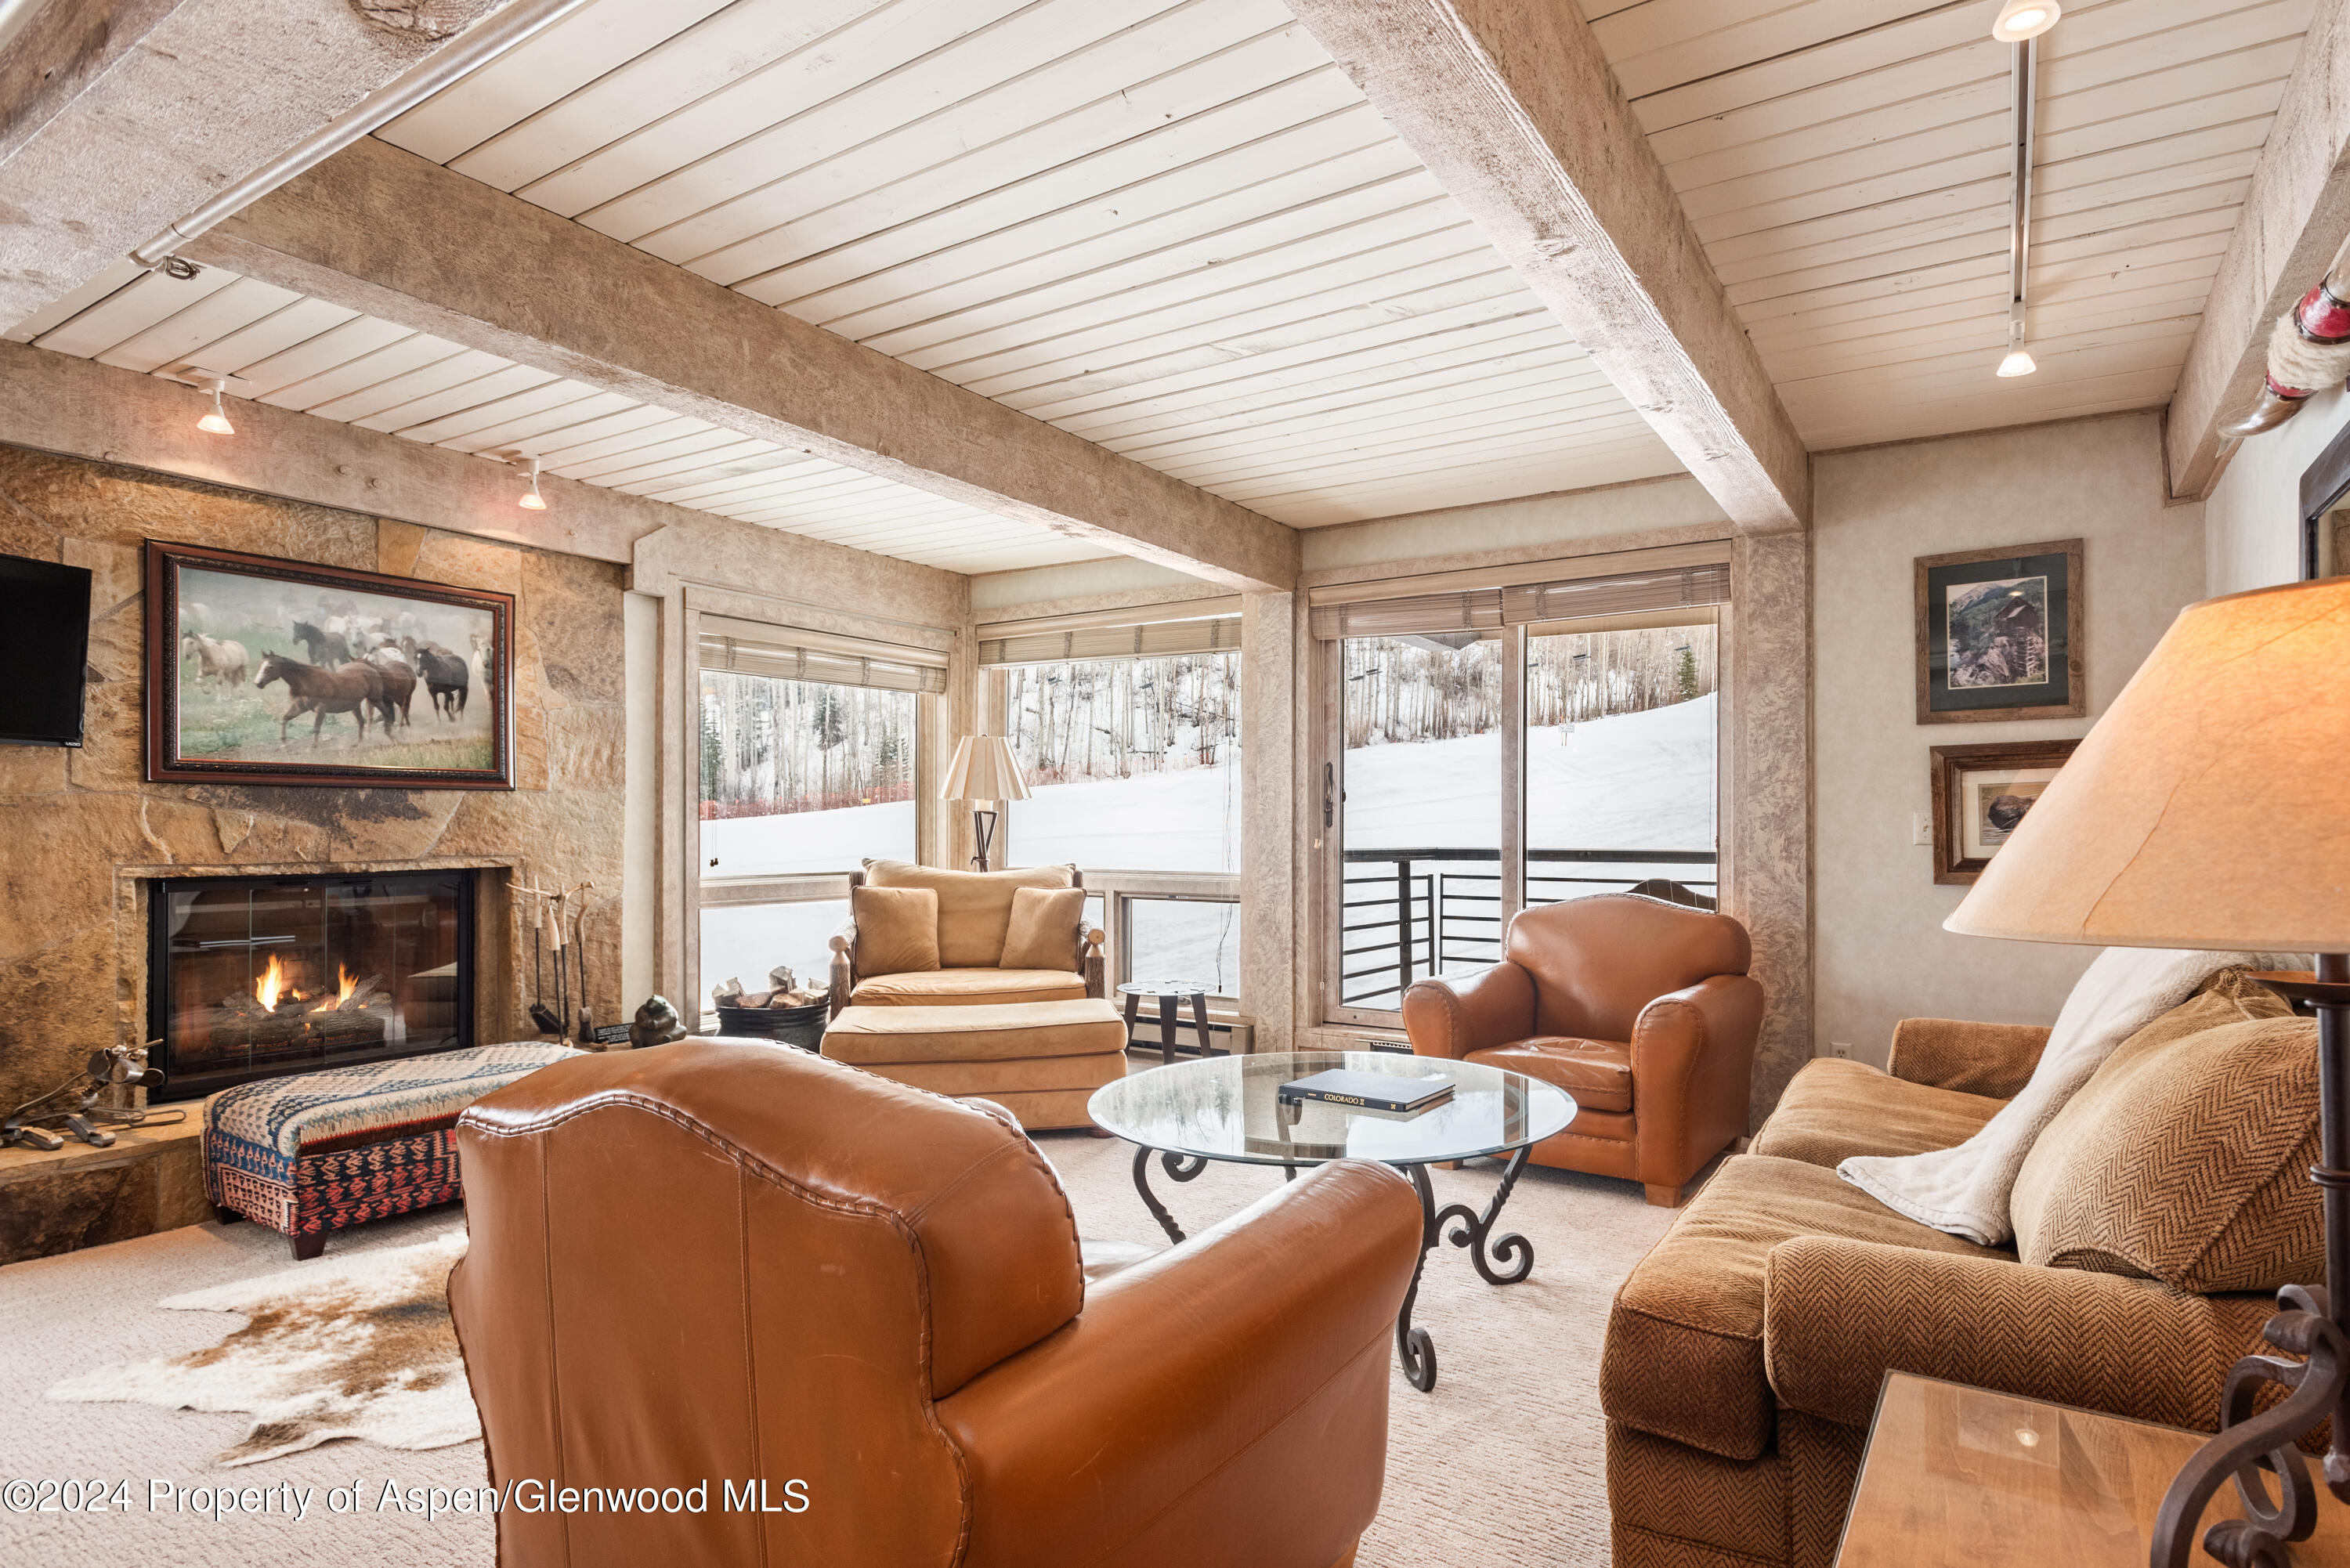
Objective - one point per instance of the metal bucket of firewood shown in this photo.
(801, 1026)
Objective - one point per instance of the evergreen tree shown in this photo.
(1685, 678)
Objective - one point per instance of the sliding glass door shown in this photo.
(1502, 749)
(1421, 840)
(1620, 762)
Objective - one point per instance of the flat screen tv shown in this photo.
(44, 611)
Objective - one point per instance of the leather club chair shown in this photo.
(1641, 1009)
(710, 1262)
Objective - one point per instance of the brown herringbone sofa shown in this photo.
(1745, 1353)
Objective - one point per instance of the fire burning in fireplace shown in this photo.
(345, 987)
(271, 985)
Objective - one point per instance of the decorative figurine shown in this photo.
(657, 1024)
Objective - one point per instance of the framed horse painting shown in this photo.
(268, 671)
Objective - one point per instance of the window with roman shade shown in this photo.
(809, 742)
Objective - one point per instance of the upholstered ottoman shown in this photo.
(312, 1153)
(1041, 1061)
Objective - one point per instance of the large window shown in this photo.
(1620, 762)
(1498, 748)
(807, 755)
(1133, 763)
(803, 776)
(796, 776)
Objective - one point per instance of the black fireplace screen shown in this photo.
(251, 977)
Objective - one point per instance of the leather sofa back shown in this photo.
(708, 1260)
(1597, 962)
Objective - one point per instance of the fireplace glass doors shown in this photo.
(252, 977)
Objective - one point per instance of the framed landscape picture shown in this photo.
(1981, 793)
(267, 671)
(2000, 634)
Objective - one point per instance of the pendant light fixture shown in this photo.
(216, 422)
(2019, 360)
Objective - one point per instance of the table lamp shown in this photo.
(2210, 808)
(985, 773)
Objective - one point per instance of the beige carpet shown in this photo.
(1502, 1464)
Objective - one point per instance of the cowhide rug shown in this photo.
(361, 1347)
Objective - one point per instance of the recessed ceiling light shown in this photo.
(2021, 19)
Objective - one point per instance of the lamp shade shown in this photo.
(983, 769)
(2210, 807)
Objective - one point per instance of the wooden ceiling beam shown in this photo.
(2295, 219)
(1513, 107)
(117, 117)
(382, 231)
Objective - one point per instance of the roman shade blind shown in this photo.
(1480, 609)
(791, 653)
(1141, 633)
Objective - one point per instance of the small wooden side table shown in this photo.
(1168, 992)
(1964, 1478)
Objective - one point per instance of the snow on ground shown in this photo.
(807, 840)
(1638, 781)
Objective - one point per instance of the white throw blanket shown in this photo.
(1964, 1190)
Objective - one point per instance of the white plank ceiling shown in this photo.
(298, 353)
(1844, 163)
(1173, 227)
(1170, 226)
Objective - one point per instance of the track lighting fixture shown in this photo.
(534, 500)
(2019, 360)
(216, 422)
(2021, 19)
(2024, 75)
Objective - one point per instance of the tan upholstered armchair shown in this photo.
(975, 928)
(710, 1265)
(1641, 1009)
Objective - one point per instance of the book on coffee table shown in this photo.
(1370, 1091)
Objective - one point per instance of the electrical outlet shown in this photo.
(1840, 1049)
(1921, 830)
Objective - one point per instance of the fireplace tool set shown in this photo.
(46, 1121)
(558, 902)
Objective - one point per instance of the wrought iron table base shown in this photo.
(1471, 1230)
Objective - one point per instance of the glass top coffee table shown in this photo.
(1229, 1108)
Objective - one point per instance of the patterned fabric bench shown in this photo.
(310, 1154)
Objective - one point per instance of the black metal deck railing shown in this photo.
(1405, 914)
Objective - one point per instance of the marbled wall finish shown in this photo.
(80, 824)
(1881, 952)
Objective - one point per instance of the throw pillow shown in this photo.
(897, 930)
(975, 907)
(1044, 929)
(2185, 1158)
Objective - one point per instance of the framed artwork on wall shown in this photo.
(1981, 793)
(269, 671)
(2000, 634)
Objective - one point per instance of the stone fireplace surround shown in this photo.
(85, 827)
(152, 1179)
